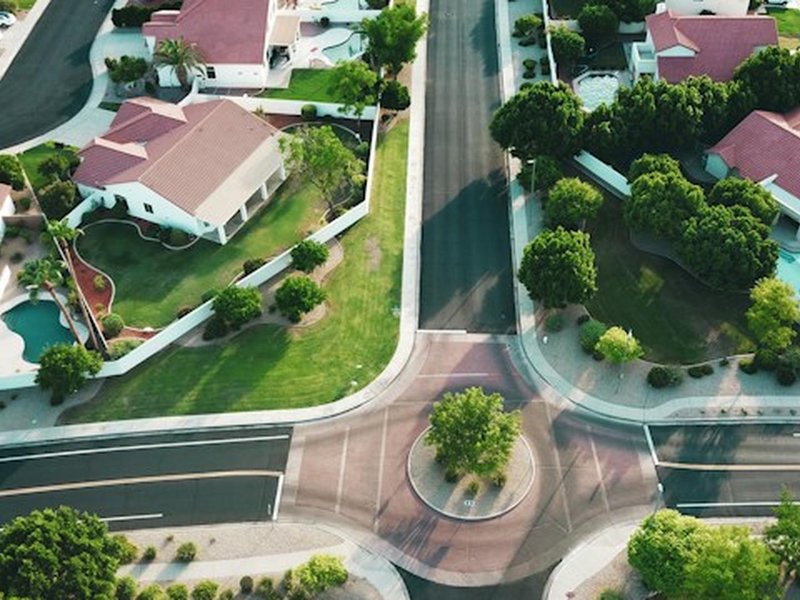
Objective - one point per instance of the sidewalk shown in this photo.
(14, 37)
(281, 546)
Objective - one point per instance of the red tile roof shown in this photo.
(765, 144)
(183, 154)
(720, 43)
(225, 31)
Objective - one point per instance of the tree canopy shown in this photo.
(392, 37)
(597, 21)
(308, 255)
(727, 247)
(568, 46)
(542, 118)
(237, 305)
(181, 57)
(558, 268)
(783, 536)
(653, 163)
(395, 96)
(773, 314)
(733, 191)
(471, 433)
(298, 295)
(772, 79)
(57, 554)
(63, 369)
(571, 202)
(11, 172)
(57, 199)
(631, 11)
(356, 85)
(660, 202)
(618, 346)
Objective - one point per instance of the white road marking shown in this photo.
(85, 451)
(342, 465)
(796, 434)
(725, 504)
(86, 485)
(379, 491)
(443, 331)
(728, 467)
(603, 492)
(132, 518)
(278, 493)
(448, 375)
(650, 445)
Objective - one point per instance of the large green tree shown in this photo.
(356, 85)
(774, 314)
(598, 21)
(727, 247)
(11, 172)
(618, 346)
(392, 37)
(57, 199)
(783, 536)
(571, 202)
(631, 11)
(308, 255)
(772, 77)
(558, 267)
(744, 192)
(237, 305)
(716, 106)
(541, 119)
(568, 46)
(471, 433)
(653, 163)
(181, 57)
(57, 554)
(298, 295)
(660, 202)
(322, 158)
(64, 368)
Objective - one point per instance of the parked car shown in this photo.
(7, 19)
(777, 2)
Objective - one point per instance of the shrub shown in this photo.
(582, 319)
(395, 96)
(125, 589)
(99, 282)
(499, 480)
(215, 328)
(473, 488)
(9, 6)
(321, 572)
(766, 359)
(546, 69)
(252, 264)
(150, 554)
(748, 365)
(57, 199)
(226, 595)
(126, 68)
(17, 257)
(205, 590)
(177, 238)
(265, 588)
(610, 595)
(325, 22)
(377, 4)
(112, 325)
(237, 305)
(126, 550)
(56, 167)
(209, 295)
(450, 476)
(186, 552)
(661, 377)
(590, 333)
(529, 63)
(246, 584)
(11, 172)
(698, 371)
(134, 15)
(308, 255)
(527, 26)
(309, 112)
(554, 323)
(178, 591)
(24, 203)
(785, 376)
(151, 592)
(297, 296)
(184, 310)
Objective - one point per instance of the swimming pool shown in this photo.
(352, 47)
(39, 325)
(596, 88)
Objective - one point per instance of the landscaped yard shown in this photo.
(611, 57)
(31, 159)
(153, 283)
(788, 21)
(676, 317)
(563, 9)
(313, 85)
(268, 367)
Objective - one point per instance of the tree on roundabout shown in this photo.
(472, 435)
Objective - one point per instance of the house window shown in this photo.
(211, 72)
(148, 208)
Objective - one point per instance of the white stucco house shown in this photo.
(764, 147)
(732, 8)
(203, 168)
(678, 46)
(239, 41)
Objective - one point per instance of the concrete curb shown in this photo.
(26, 26)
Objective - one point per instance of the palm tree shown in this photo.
(45, 274)
(181, 56)
(57, 236)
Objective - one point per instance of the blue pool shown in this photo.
(39, 325)
(353, 47)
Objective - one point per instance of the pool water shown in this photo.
(595, 90)
(38, 324)
(353, 47)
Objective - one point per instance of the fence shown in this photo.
(550, 57)
(286, 107)
(185, 324)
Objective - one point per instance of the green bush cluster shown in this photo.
(661, 377)
(186, 552)
(126, 550)
(748, 365)
(11, 172)
(113, 324)
(698, 371)
(590, 333)
(252, 264)
(298, 295)
(135, 15)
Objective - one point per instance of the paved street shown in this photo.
(352, 471)
(50, 79)
(727, 470)
(151, 481)
(466, 254)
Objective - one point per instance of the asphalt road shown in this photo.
(466, 278)
(176, 479)
(50, 78)
(727, 470)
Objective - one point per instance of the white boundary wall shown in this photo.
(185, 324)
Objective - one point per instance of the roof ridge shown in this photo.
(190, 10)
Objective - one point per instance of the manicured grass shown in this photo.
(312, 85)
(25, 4)
(31, 159)
(788, 21)
(676, 317)
(267, 367)
(152, 283)
(611, 57)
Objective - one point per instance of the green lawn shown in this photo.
(267, 367)
(567, 8)
(25, 4)
(152, 283)
(312, 85)
(31, 159)
(676, 317)
(788, 21)
(610, 58)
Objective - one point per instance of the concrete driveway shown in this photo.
(50, 78)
